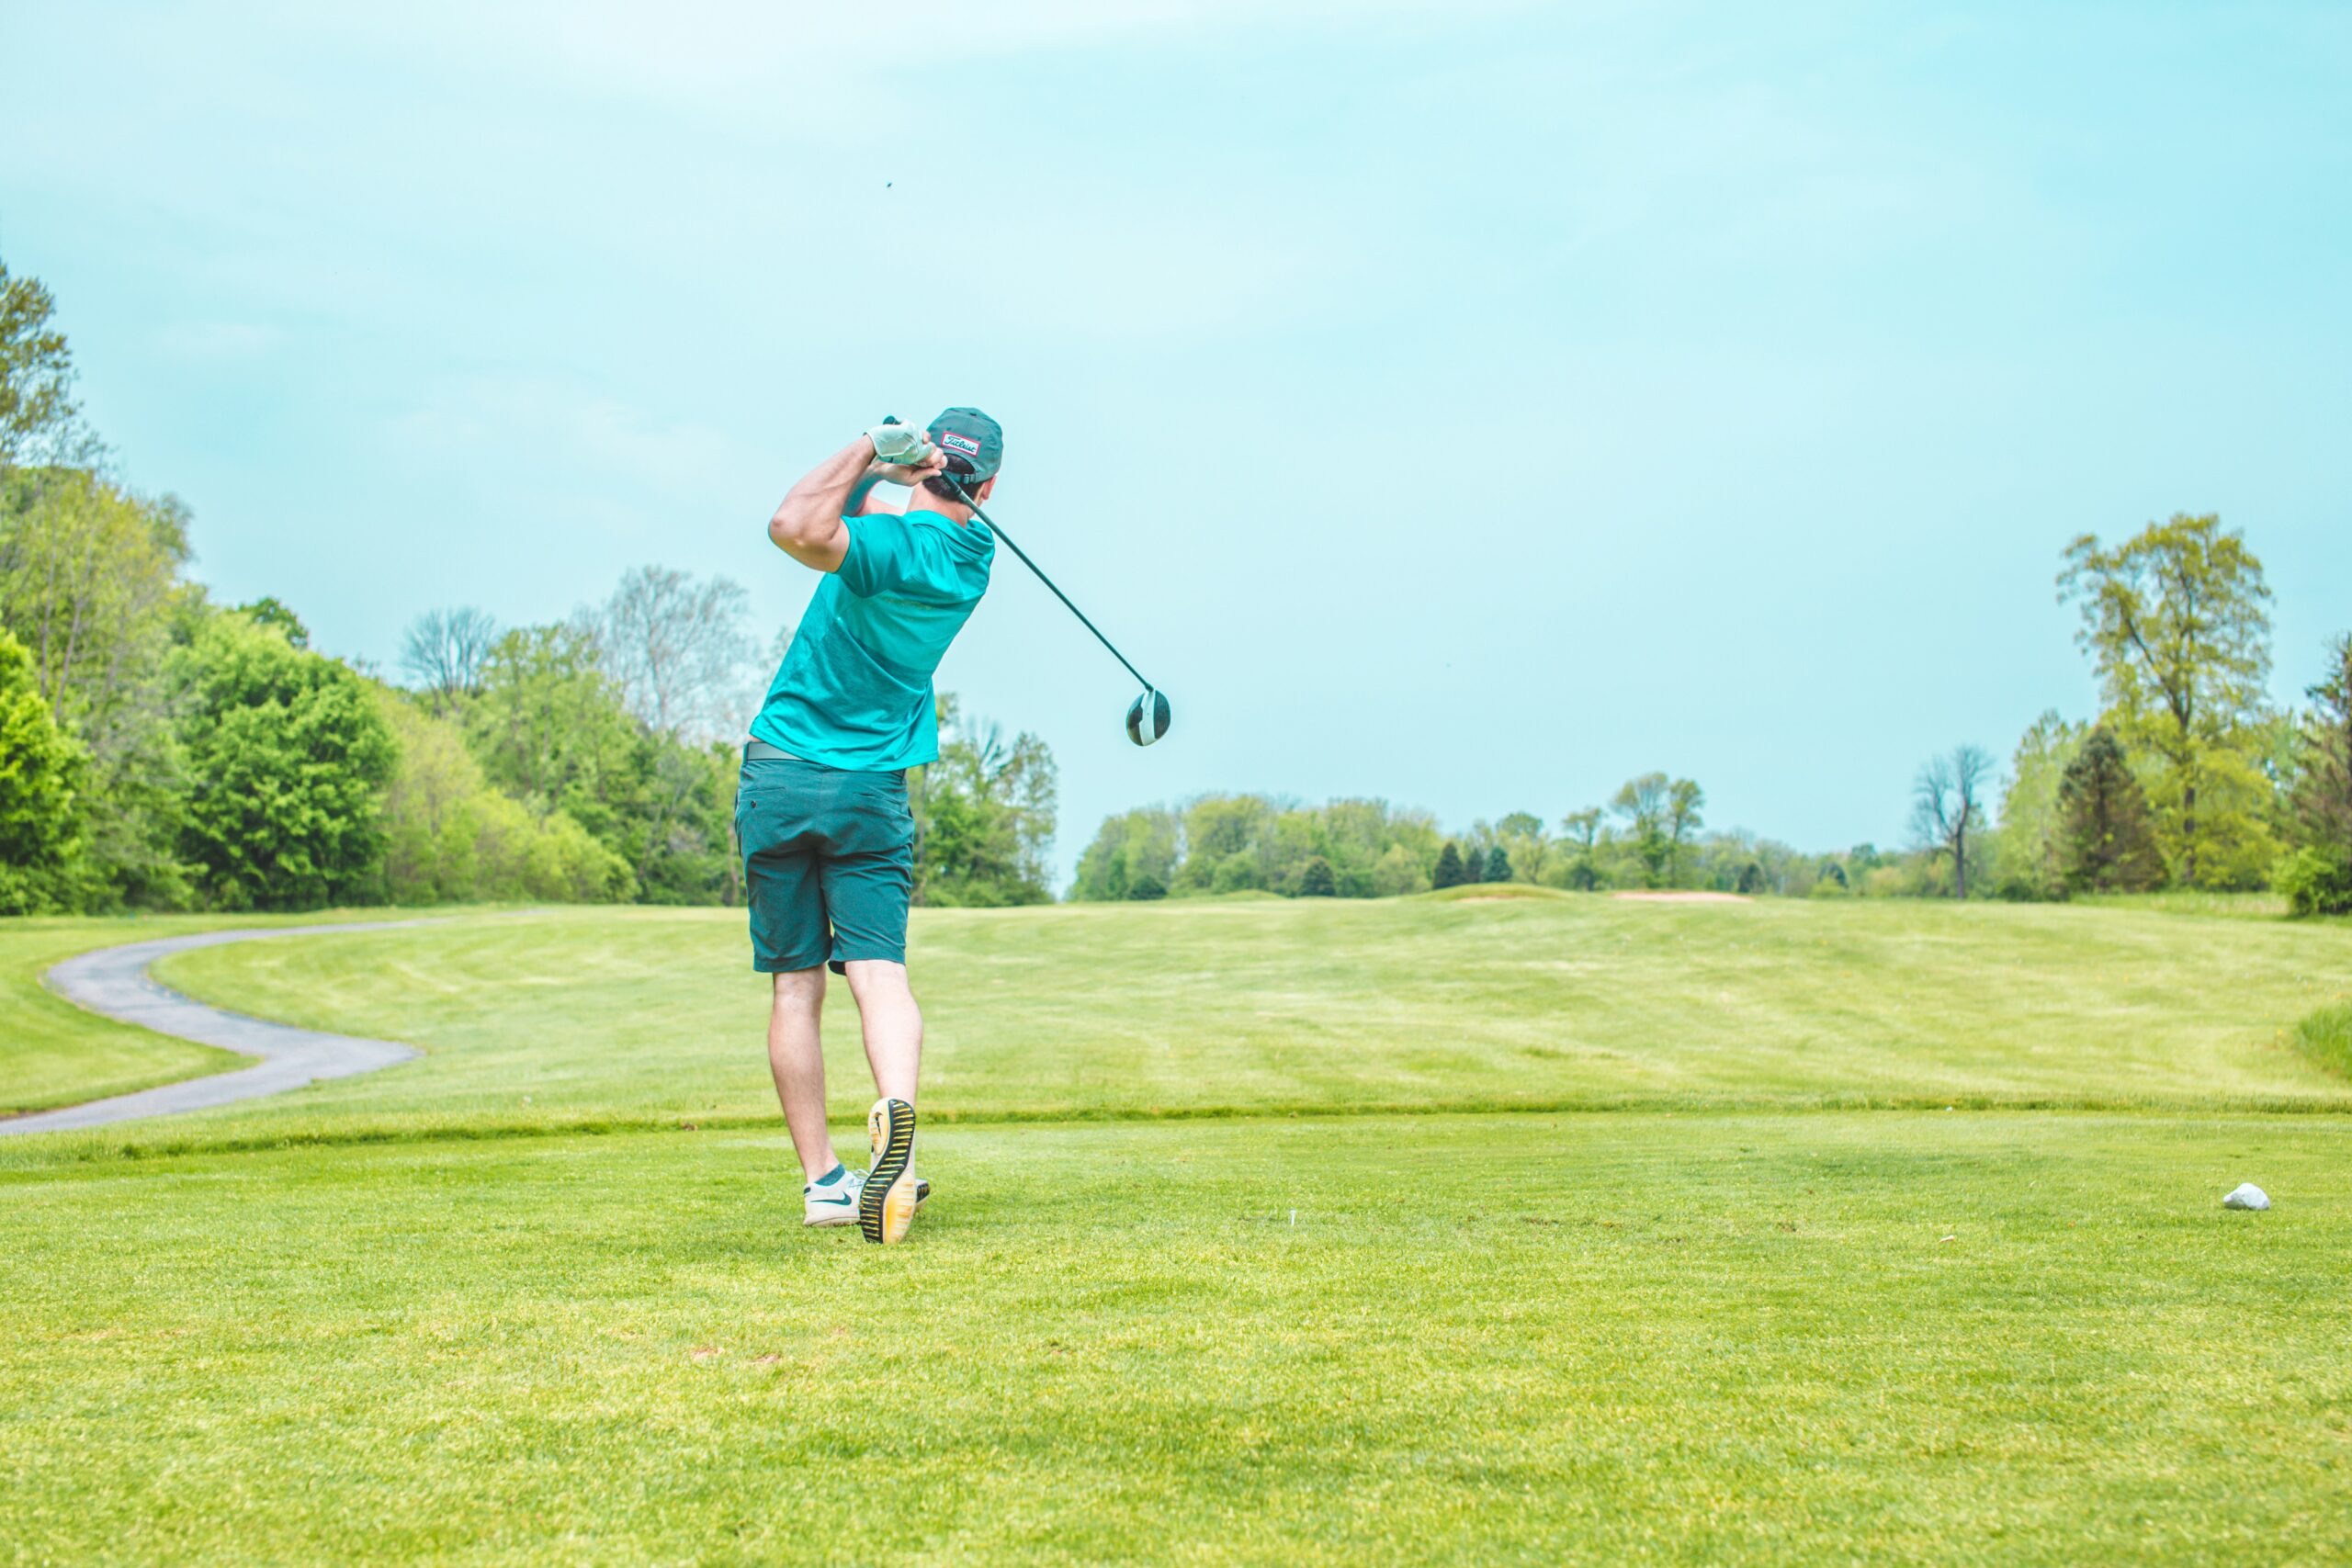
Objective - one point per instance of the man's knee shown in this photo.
(877, 979)
(803, 989)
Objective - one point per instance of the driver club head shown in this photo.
(1147, 718)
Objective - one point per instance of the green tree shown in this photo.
(41, 769)
(273, 613)
(450, 838)
(1449, 873)
(1684, 800)
(287, 755)
(2318, 878)
(90, 583)
(1530, 845)
(1127, 848)
(548, 729)
(1221, 833)
(1583, 828)
(1236, 873)
(2177, 620)
(1398, 871)
(1644, 803)
(2029, 861)
(1315, 880)
(2106, 843)
(1498, 865)
(36, 371)
(1146, 887)
(984, 816)
(2323, 787)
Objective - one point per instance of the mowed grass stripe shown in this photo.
(633, 1018)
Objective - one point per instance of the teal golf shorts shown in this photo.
(828, 859)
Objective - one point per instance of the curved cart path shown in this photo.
(114, 982)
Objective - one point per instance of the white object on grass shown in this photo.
(2246, 1195)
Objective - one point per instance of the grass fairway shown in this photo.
(615, 1016)
(51, 1053)
(1719, 1313)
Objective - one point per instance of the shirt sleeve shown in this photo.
(888, 555)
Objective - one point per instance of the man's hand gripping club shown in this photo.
(807, 526)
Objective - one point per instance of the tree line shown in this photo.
(2187, 777)
(161, 750)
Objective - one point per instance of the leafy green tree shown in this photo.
(1644, 803)
(1498, 865)
(36, 371)
(1751, 879)
(271, 611)
(1127, 848)
(1522, 834)
(548, 729)
(2107, 842)
(2177, 619)
(41, 769)
(1237, 873)
(287, 755)
(2323, 788)
(2028, 866)
(1583, 828)
(1684, 800)
(1146, 887)
(984, 816)
(1316, 881)
(1219, 827)
(1449, 873)
(2318, 877)
(90, 583)
(450, 838)
(1398, 871)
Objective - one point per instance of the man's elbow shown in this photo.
(786, 530)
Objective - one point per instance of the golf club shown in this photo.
(1149, 716)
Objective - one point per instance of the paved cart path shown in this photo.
(114, 982)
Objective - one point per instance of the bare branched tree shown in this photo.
(1949, 806)
(444, 651)
(678, 648)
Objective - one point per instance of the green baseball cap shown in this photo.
(974, 443)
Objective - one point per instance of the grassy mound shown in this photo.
(2326, 1038)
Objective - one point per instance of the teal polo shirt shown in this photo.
(854, 688)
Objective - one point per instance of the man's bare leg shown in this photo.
(797, 1057)
(892, 1024)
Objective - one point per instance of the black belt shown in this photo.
(761, 751)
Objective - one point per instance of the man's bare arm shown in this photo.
(807, 526)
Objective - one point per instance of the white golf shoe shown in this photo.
(832, 1202)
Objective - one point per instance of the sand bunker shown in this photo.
(1686, 898)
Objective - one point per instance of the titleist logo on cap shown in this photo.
(963, 443)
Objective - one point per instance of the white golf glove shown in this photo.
(900, 444)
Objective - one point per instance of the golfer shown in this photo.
(821, 812)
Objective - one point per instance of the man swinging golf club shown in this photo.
(821, 812)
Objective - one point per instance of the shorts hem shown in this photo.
(786, 965)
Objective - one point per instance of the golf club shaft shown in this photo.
(1048, 581)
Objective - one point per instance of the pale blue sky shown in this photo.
(1471, 404)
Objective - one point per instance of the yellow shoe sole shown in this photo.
(888, 1205)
